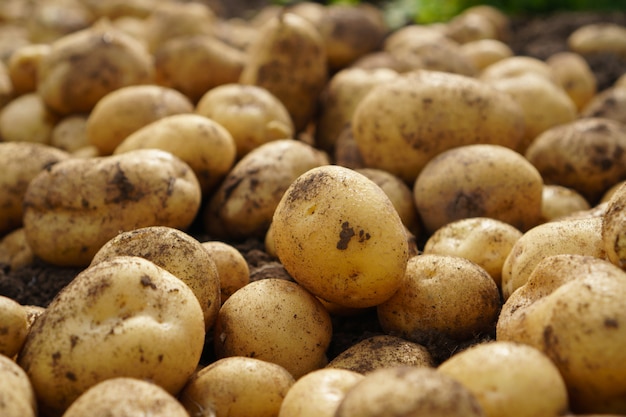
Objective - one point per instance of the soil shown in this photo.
(537, 36)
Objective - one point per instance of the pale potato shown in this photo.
(128, 397)
(14, 327)
(470, 27)
(14, 250)
(498, 18)
(318, 393)
(17, 398)
(381, 59)
(511, 379)
(484, 52)
(22, 66)
(121, 317)
(6, 85)
(32, 313)
(27, 119)
(573, 73)
(558, 201)
(347, 152)
(251, 114)
(127, 109)
(70, 133)
(232, 267)
(237, 387)
(49, 21)
(115, 9)
(609, 193)
(339, 236)
(602, 37)
(482, 240)
(609, 103)
(613, 235)
(77, 205)
(277, 321)
(516, 65)
(239, 32)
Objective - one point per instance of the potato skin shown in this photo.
(613, 236)
(13, 327)
(74, 207)
(17, 398)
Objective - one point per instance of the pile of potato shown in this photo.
(472, 199)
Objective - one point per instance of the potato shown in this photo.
(479, 181)
(84, 66)
(382, 351)
(205, 145)
(602, 37)
(176, 252)
(609, 103)
(347, 152)
(251, 114)
(470, 27)
(125, 110)
(482, 240)
(238, 32)
(342, 250)
(129, 397)
(115, 9)
(499, 19)
(232, 267)
(515, 66)
(587, 155)
(22, 66)
(609, 193)
(75, 207)
(318, 393)
(121, 317)
(580, 236)
(32, 313)
(408, 391)
(509, 379)
(244, 203)
(277, 321)
(571, 308)
(27, 119)
(288, 58)
(50, 20)
(443, 300)
(237, 387)
(402, 124)
(558, 201)
(20, 162)
(17, 398)
(613, 236)
(381, 59)
(195, 64)
(573, 73)
(14, 250)
(14, 327)
(70, 133)
(484, 52)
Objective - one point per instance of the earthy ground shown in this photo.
(540, 37)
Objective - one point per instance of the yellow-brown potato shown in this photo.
(408, 391)
(613, 234)
(421, 114)
(621, 81)
(381, 59)
(470, 27)
(22, 66)
(580, 236)
(121, 317)
(499, 19)
(14, 250)
(133, 26)
(125, 110)
(6, 85)
(277, 321)
(205, 145)
(17, 398)
(237, 387)
(483, 240)
(587, 155)
(603, 37)
(238, 32)
(339, 236)
(20, 162)
(232, 267)
(244, 203)
(479, 181)
(511, 379)
(558, 201)
(128, 397)
(318, 393)
(515, 66)
(176, 252)
(49, 21)
(32, 313)
(70, 133)
(573, 73)
(13, 326)
(195, 64)
(13, 35)
(484, 52)
(102, 59)
(251, 114)
(382, 351)
(114, 9)
(609, 103)
(443, 299)
(27, 119)
(609, 193)
(75, 207)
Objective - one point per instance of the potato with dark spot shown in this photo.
(17, 398)
(609, 104)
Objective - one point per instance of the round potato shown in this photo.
(609, 104)
(232, 267)
(70, 133)
(515, 66)
(17, 398)
(470, 27)
(613, 235)
(334, 244)
(121, 317)
(22, 66)
(573, 73)
(77, 205)
(6, 85)
(14, 327)
(558, 202)
(14, 250)
(484, 52)
(50, 21)
(27, 119)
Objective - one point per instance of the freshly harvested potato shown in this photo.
(128, 397)
(347, 153)
(482, 240)
(587, 155)
(27, 119)
(77, 205)
(17, 398)
(596, 38)
(102, 59)
(484, 52)
(22, 66)
(342, 250)
(14, 250)
(124, 317)
(318, 393)
(516, 65)
(382, 351)
(232, 267)
(49, 21)
(251, 114)
(277, 321)
(115, 9)
(237, 387)
(479, 181)
(195, 64)
(421, 114)
(205, 145)
(127, 109)
(609, 103)
(573, 73)
(408, 391)
(20, 162)
(558, 201)
(288, 58)
(6, 85)
(509, 379)
(32, 313)
(176, 252)
(470, 27)
(444, 299)
(13, 327)
(609, 193)
(580, 236)
(70, 133)
(500, 20)
(381, 59)
(244, 203)
(238, 32)
(613, 234)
